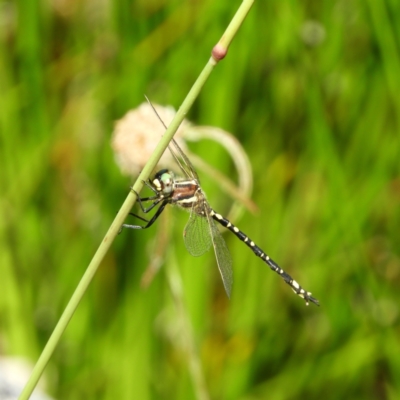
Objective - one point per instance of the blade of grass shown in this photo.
(218, 53)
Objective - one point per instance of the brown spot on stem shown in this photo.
(219, 52)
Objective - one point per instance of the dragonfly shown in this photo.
(201, 231)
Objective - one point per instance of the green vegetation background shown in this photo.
(312, 91)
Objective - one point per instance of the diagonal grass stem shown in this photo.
(218, 54)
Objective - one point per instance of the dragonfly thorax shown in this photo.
(163, 182)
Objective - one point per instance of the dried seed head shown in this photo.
(137, 134)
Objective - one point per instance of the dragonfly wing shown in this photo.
(183, 161)
(197, 235)
(222, 255)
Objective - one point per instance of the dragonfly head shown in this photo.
(164, 182)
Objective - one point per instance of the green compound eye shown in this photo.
(167, 180)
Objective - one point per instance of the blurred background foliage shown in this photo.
(312, 91)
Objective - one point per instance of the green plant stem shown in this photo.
(187, 336)
(128, 204)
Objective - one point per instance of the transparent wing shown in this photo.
(180, 157)
(183, 161)
(222, 256)
(197, 235)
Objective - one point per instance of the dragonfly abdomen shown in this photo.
(259, 253)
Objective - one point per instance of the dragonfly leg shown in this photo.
(149, 185)
(156, 200)
(139, 217)
(152, 220)
(136, 216)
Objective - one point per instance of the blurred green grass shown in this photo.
(311, 90)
